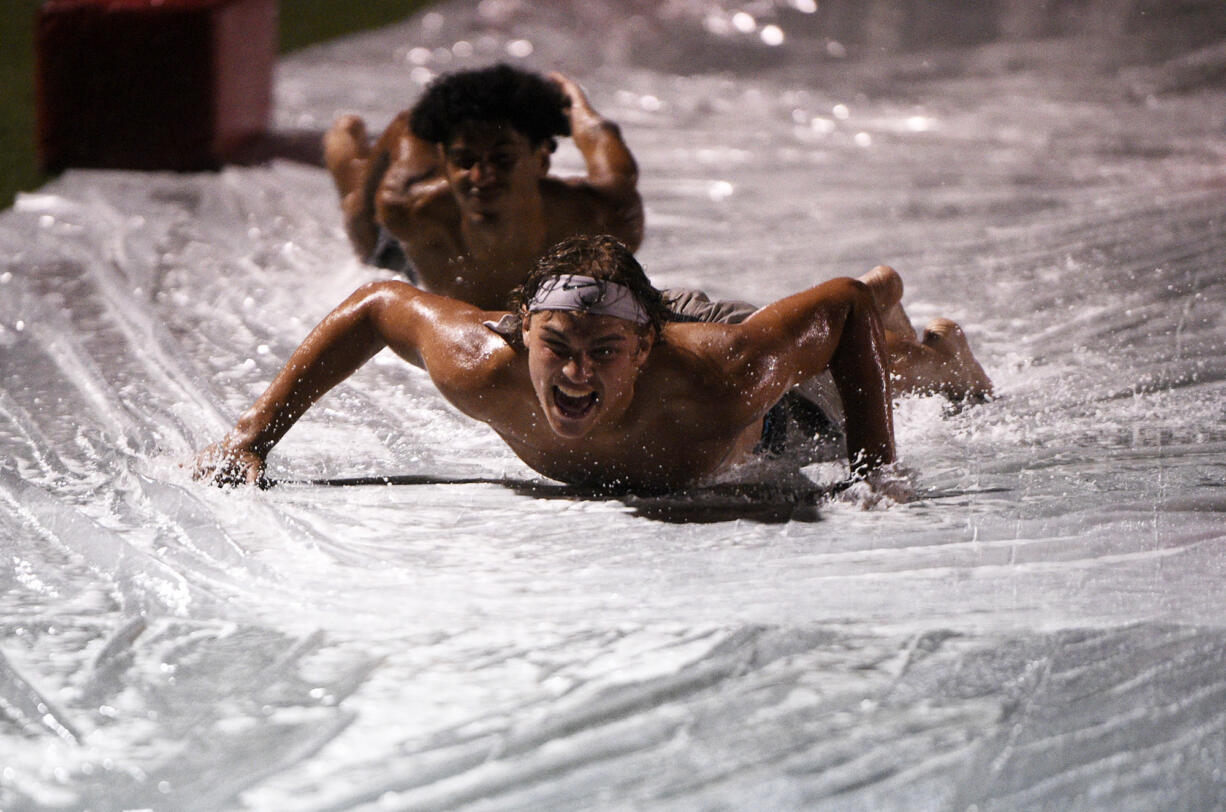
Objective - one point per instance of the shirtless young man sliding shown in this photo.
(595, 385)
(457, 192)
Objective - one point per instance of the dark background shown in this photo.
(1093, 35)
(302, 22)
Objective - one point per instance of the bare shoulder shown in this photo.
(449, 335)
(577, 206)
(709, 345)
(474, 367)
(578, 187)
(449, 338)
(696, 358)
(417, 322)
(688, 395)
(409, 165)
(719, 365)
(407, 153)
(399, 124)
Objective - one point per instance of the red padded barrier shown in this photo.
(152, 84)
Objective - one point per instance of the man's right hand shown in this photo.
(228, 467)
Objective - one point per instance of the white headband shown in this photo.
(603, 298)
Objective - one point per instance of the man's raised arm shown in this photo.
(374, 316)
(611, 168)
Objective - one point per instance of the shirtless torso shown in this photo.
(590, 399)
(683, 425)
(595, 385)
(473, 214)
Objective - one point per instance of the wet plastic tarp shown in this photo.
(1041, 627)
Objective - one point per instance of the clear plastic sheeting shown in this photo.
(1040, 627)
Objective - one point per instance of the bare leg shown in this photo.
(886, 285)
(940, 362)
(346, 152)
(347, 156)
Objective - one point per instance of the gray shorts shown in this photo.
(389, 253)
(694, 305)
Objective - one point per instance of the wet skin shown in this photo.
(587, 400)
(491, 168)
(476, 213)
(583, 368)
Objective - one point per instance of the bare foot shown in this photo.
(346, 150)
(886, 285)
(963, 377)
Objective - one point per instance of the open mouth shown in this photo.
(573, 406)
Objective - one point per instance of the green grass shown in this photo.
(18, 169)
(303, 22)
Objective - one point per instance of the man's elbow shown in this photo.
(853, 293)
(630, 226)
(603, 129)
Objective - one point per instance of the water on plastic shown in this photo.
(1040, 627)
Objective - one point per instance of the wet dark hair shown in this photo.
(529, 102)
(600, 257)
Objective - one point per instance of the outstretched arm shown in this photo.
(834, 326)
(376, 315)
